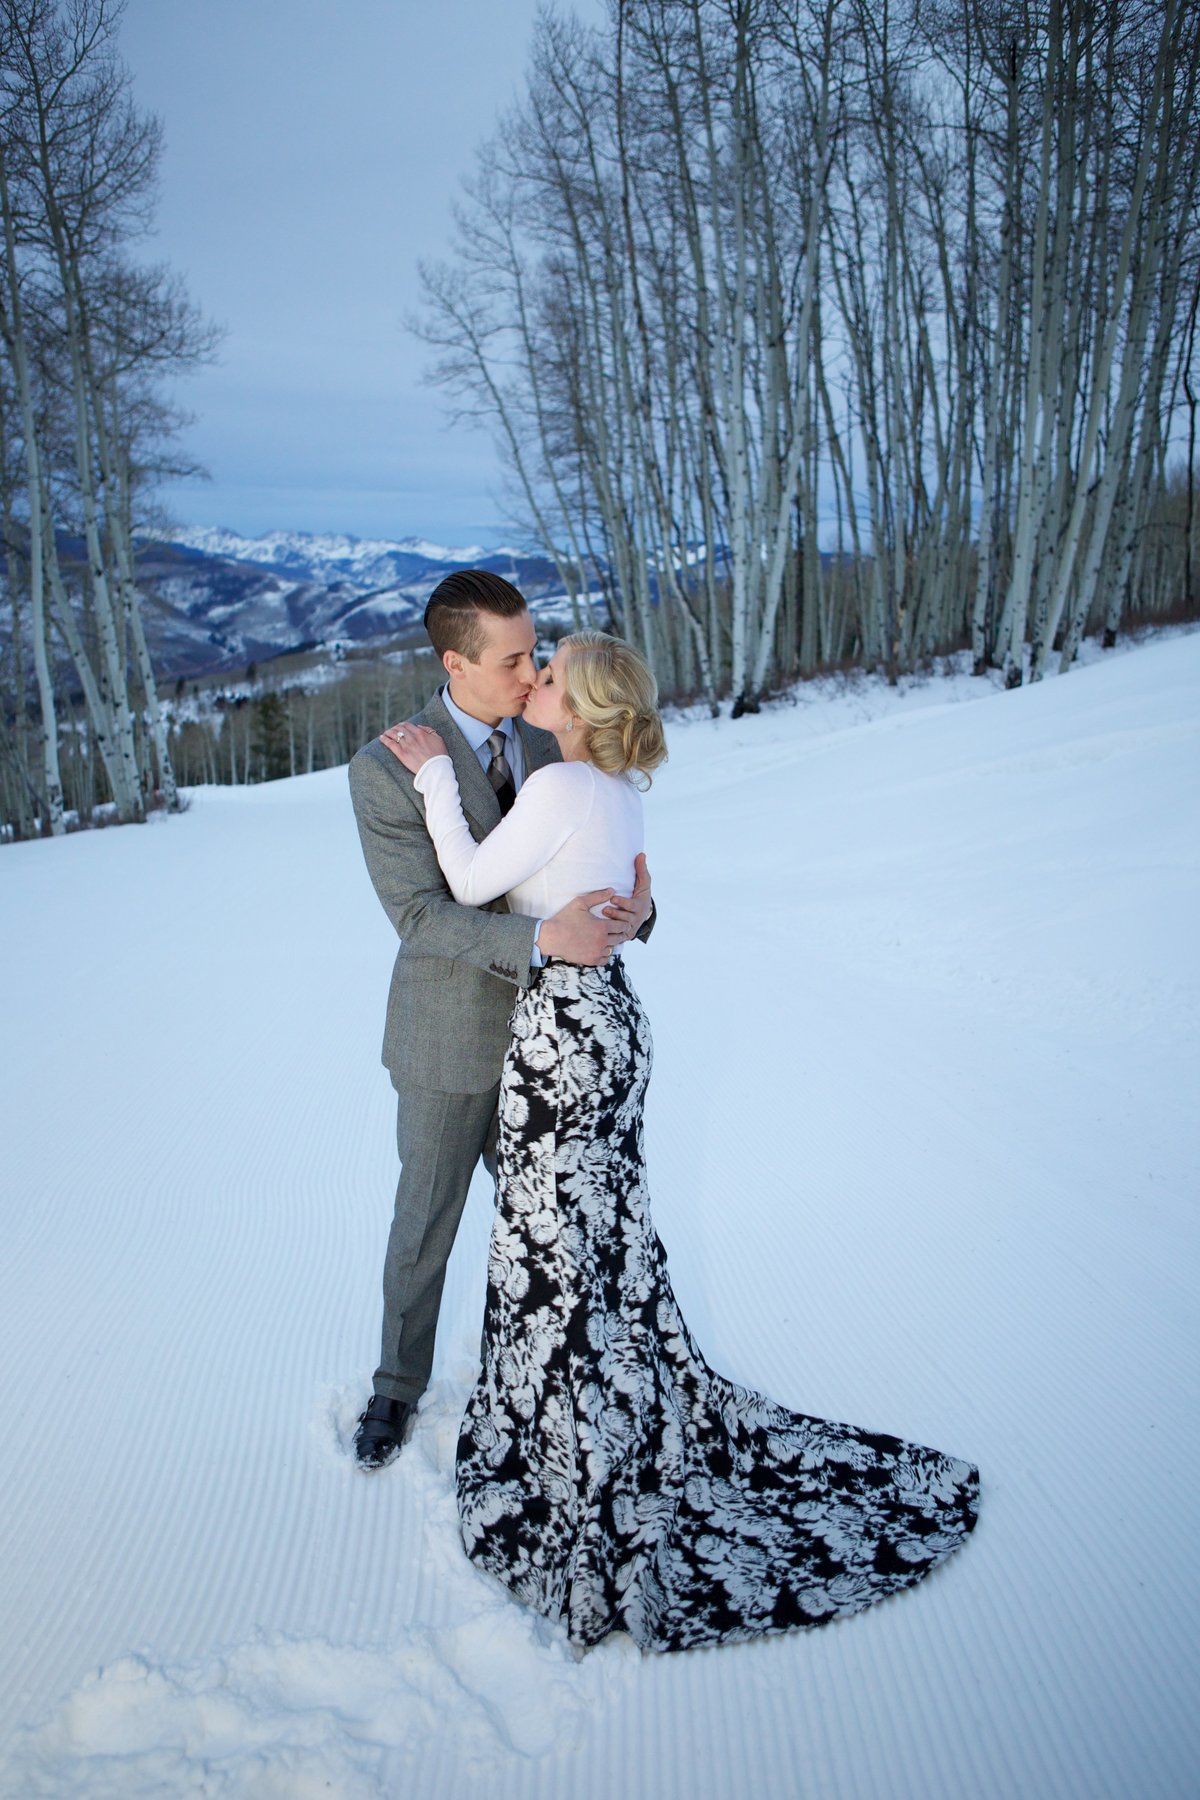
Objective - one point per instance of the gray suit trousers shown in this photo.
(441, 1138)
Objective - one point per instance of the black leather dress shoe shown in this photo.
(381, 1431)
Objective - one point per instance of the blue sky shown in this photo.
(313, 152)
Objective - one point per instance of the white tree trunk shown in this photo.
(14, 335)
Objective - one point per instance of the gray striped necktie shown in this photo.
(499, 773)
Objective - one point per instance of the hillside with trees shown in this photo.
(814, 334)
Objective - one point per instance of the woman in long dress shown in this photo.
(605, 1473)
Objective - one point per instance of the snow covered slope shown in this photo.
(923, 1146)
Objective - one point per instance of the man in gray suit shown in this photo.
(455, 976)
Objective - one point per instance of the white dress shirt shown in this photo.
(477, 735)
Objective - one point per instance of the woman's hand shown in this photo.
(633, 912)
(412, 744)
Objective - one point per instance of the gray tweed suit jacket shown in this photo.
(458, 967)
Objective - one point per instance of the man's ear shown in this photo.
(452, 662)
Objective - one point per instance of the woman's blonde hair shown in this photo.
(611, 691)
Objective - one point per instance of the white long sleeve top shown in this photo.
(570, 829)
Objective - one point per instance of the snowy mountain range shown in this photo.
(215, 600)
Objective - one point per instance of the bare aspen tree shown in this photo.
(86, 336)
(903, 277)
(1159, 172)
(12, 324)
(78, 119)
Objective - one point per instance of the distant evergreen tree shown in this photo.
(271, 738)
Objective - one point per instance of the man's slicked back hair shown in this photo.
(454, 616)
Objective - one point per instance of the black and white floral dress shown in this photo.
(605, 1473)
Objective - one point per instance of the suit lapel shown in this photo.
(476, 792)
(478, 796)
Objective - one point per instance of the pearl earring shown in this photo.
(570, 724)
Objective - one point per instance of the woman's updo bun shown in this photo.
(609, 688)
